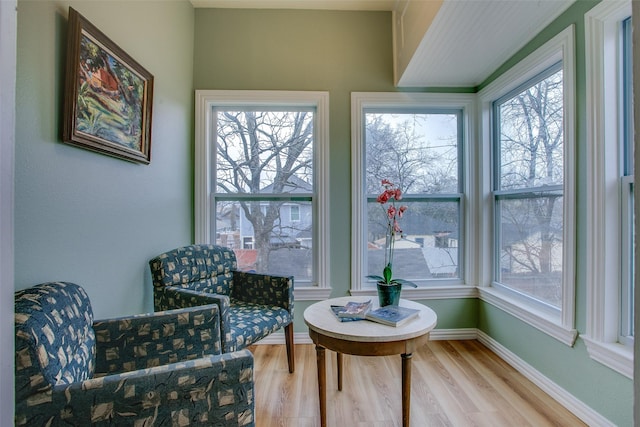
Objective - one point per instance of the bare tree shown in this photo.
(262, 154)
(399, 149)
(531, 141)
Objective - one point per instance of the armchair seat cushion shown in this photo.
(249, 323)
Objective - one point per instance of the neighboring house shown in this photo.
(293, 227)
(429, 245)
(290, 240)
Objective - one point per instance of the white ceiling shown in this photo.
(466, 42)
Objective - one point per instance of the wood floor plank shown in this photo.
(454, 384)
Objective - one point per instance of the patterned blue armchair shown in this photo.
(251, 305)
(148, 370)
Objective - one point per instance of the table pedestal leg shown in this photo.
(406, 389)
(322, 384)
(339, 363)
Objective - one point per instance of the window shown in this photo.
(626, 184)
(260, 168)
(528, 188)
(610, 231)
(418, 142)
(528, 141)
(294, 213)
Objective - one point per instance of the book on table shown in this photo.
(353, 310)
(392, 315)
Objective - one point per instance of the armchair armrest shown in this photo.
(174, 296)
(143, 341)
(263, 289)
(216, 389)
(177, 297)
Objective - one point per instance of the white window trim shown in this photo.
(359, 102)
(205, 100)
(604, 205)
(561, 327)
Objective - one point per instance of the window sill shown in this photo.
(311, 293)
(441, 292)
(542, 321)
(613, 355)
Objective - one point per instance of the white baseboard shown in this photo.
(436, 335)
(453, 334)
(562, 396)
(278, 338)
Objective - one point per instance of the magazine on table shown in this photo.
(353, 310)
(392, 315)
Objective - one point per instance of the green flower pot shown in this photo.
(389, 294)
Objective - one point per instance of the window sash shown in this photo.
(388, 101)
(444, 263)
(251, 196)
(497, 121)
(627, 189)
(501, 196)
(419, 197)
(627, 264)
(205, 197)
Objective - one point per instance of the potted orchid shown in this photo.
(388, 287)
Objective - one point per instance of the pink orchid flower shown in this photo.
(390, 195)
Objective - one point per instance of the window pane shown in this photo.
(628, 270)
(419, 151)
(280, 246)
(628, 229)
(261, 154)
(429, 245)
(531, 246)
(416, 151)
(264, 151)
(531, 137)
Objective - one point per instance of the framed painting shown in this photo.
(108, 95)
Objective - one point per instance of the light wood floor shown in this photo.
(454, 383)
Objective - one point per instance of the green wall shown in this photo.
(338, 52)
(335, 51)
(341, 52)
(604, 390)
(95, 220)
(85, 217)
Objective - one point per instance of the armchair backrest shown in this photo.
(201, 268)
(55, 340)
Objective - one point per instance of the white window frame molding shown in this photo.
(560, 326)
(604, 220)
(205, 100)
(363, 100)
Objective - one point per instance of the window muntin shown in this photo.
(264, 170)
(420, 151)
(528, 188)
